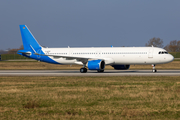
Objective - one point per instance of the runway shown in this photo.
(89, 73)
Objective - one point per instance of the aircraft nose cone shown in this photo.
(170, 58)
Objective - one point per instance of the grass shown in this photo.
(90, 97)
(6, 65)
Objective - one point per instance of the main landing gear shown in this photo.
(83, 70)
(154, 68)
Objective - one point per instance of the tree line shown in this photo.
(11, 51)
(173, 46)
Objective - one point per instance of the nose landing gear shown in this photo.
(154, 68)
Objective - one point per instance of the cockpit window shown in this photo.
(163, 52)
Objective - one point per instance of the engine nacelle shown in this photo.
(121, 67)
(96, 65)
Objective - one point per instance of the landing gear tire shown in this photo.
(100, 70)
(83, 70)
(154, 71)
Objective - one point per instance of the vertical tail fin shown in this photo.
(29, 42)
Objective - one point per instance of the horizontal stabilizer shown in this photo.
(28, 53)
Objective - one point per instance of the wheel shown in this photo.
(83, 70)
(154, 70)
(100, 70)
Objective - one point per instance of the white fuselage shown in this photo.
(111, 55)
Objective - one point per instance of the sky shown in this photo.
(89, 23)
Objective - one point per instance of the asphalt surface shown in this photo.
(89, 73)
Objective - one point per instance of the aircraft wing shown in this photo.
(108, 61)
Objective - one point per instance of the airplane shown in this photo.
(93, 58)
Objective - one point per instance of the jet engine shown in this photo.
(121, 67)
(96, 65)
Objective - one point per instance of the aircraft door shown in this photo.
(150, 54)
(70, 53)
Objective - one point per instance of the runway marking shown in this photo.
(89, 73)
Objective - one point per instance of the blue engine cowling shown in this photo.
(96, 65)
(121, 67)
